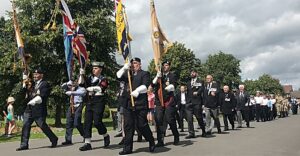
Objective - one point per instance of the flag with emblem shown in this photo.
(160, 42)
(123, 37)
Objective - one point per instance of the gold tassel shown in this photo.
(53, 27)
(47, 26)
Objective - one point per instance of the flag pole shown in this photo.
(128, 57)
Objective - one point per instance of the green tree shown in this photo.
(47, 49)
(182, 61)
(225, 69)
(266, 84)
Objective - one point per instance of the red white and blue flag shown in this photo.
(74, 41)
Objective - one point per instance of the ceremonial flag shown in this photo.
(74, 41)
(123, 38)
(20, 43)
(159, 41)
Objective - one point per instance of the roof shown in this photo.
(287, 89)
(295, 94)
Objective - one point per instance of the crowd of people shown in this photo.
(144, 102)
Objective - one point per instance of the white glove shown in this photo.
(68, 93)
(123, 69)
(34, 101)
(135, 93)
(69, 83)
(158, 75)
(94, 89)
(126, 66)
(81, 71)
(24, 77)
(170, 88)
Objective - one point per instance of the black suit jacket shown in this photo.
(227, 102)
(242, 100)
(211, 101)
(197, 87)
(43, 90)
(178, 99)
(138, 79)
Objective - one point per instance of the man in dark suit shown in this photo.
(243, 99)
(135, 115)
(194, 104)
(181, 98)
(211, 103)
(228, 103)
(36, 109)
(165, 113)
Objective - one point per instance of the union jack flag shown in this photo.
(74, 41)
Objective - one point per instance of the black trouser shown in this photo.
(164, 116)
(251, 114)
(177, 117)
(74, 121)
(94, 113)
(194, 109)
(295, 109)
(257, 112)
(182, 115)
(246, 117)
(136, 118)
(264, 110)
(41, 122)
(229, 117)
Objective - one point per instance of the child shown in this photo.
(9, 117)
(151, 98)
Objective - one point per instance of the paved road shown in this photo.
(276, 138)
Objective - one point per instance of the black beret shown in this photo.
(166, 62)
(135, 59)
(39, 71)
(98, 64)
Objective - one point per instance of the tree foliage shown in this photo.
(225, 69)
(265, 83)
(182, 61)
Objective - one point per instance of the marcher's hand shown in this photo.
(127, 66)
(158, 74)
(90, 89)
(24, 76)
(68, 93)
(213, 93)
(69, 83)
(135, 93)
(81, 71)
(195, 93)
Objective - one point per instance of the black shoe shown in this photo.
(248, 125)
(226, 129)
(54, 144)
(239, 126)
(21, 148)
(86, 147)
(190, 136)
(232, 127)
(160, 144)
(152, 148)
(106, 141)
(219, 131)
(121, 142)
(67, 143)
(125, 152)
(176, 140)
(118, 135)
(208, 133)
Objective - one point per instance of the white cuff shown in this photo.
(154, 81)
(121, 72)
(141, 89)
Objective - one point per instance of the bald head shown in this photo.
(209, 78)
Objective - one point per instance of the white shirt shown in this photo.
(265, 102)
(258, 99)
(183, 101)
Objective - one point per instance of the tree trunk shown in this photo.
(58, 115)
